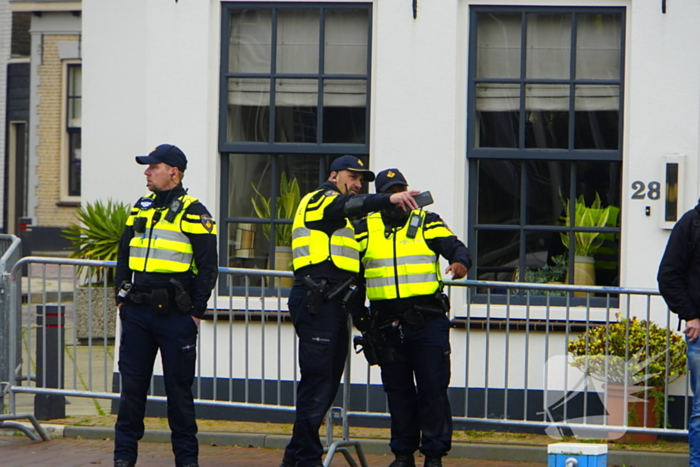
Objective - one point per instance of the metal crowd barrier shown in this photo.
(510, 364)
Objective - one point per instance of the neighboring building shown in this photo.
(503, 109)
(44, 120)
(5, 51)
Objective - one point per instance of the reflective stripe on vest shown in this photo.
(399, 267)
(162, 247)
(311, 246)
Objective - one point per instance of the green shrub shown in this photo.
(97, 233)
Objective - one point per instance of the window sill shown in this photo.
(68, 204)
(252, 315)
(518, 324)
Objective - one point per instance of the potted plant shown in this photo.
(96, 236)
(585, 243)
(549, 274)
(286, 206)
(634, 356)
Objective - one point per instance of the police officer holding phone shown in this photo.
(166, 269)
(408, 319)
(326, 261)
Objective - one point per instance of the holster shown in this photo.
(182, 298)
(316, 292)
(377, 343)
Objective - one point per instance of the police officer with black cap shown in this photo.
(166, 269)
(408, 322)
(325, 262)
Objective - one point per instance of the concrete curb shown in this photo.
(500, 452)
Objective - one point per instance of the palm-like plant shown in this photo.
(96, 234)
(585, 243)
(286, 204)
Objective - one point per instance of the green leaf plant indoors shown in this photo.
(96, 234)
(585, 243)
(286, 205)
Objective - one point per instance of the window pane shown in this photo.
(296, 119)
(498, 115)
(250, 196)
(547, 116)
(548, 46)
(344, 111)
(498, 45)
(597, 117)
(250, 38)
(547, 182)
(346, 41)
(74, 162)
(75, 83)
(248, 117)
(247, 248)
(598, 39)
(498, 195)
(297, 41)
(248, 173)
(497, 254)
(601, 180)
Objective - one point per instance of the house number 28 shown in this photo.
(642, 191)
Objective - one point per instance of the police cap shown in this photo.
(167, 153)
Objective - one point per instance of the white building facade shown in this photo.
(503, 110)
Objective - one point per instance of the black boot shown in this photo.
(123, 463)
(433, 462)
(403, 460)
(287, 462)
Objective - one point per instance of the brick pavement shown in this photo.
(20, 451)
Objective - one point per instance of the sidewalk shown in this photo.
(90, 442)
(67, 452)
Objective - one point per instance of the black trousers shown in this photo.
(323, 348)
(416, 388)
(143, 333)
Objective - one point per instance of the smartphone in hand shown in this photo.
(423, 199)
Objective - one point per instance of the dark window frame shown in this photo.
(74, 134)
(325, 151)
(522, 153)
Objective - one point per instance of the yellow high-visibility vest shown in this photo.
(163, 247)
(311, 246)
(397, 266)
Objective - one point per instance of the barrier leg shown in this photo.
(340, 445)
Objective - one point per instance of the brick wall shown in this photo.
(51, 92)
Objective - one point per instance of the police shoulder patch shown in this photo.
(145, 203)
(207, 222)
(331, 193)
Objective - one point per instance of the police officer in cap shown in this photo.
(325, 261)
(166, 269)
(400, 252)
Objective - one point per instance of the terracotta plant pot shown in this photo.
(631, 415)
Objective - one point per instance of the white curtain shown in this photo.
(548, 56)
(298, 52)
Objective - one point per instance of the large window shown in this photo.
(74, 126)
(294, 95)
(545, 142)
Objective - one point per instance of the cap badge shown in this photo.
(391, 174)
(360, 162)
